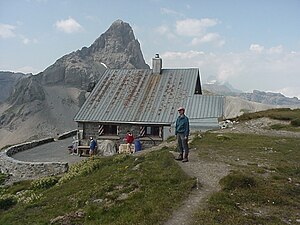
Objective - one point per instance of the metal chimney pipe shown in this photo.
(156, 64)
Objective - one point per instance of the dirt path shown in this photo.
(208, 175)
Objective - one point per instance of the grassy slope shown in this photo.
(114, 190)
(263, 187)
(284, 114)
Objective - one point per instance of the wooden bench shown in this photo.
(83, 150)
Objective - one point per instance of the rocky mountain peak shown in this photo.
(117, 48)
(115, 45)
(116, 39)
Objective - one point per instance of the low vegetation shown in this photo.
(287, 114)
(113, 190)
(2, 178)
(264, 184)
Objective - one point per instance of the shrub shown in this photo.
(44, 183)
(27, 196)
(238, 180)
(2, 178)
(6, 201)
(295, 122)
(82, 168)
(278, 126)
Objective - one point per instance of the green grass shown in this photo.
(121, 189)
(2, 178)
(264, 184)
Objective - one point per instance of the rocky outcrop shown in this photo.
(27, 90)
(7, 82)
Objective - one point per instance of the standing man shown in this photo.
(182, 130)
(93, 146)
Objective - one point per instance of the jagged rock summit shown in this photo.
(118, 41)
(116, 48)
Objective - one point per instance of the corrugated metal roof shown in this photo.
(139, 96)
(205, 106)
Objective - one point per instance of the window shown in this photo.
(107, 129)
(151, 131)
(198, 89)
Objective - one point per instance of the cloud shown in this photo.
(208, 38)
(27, 69)
(166, 11)
(165, 31)
(194, 27)
(68, 26)
(289, 91)
(276, 50)
(27, 41)
(197, 30)
(7, 31)
(256, 48)
(181, 55)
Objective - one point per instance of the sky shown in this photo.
(253, 45)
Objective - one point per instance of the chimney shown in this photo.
(156, 64)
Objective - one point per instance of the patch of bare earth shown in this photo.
(260, 126)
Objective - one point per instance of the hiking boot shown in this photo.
(185, 160)
(180, 157)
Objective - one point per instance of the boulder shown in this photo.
(106, 148)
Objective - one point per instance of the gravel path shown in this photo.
(208, 175)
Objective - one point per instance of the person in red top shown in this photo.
(129, 140)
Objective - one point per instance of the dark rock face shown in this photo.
(7, 82)
(27, 90)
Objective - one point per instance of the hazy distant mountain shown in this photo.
(7, 82)
(45, 104)
(220, 89)
(268, 98)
